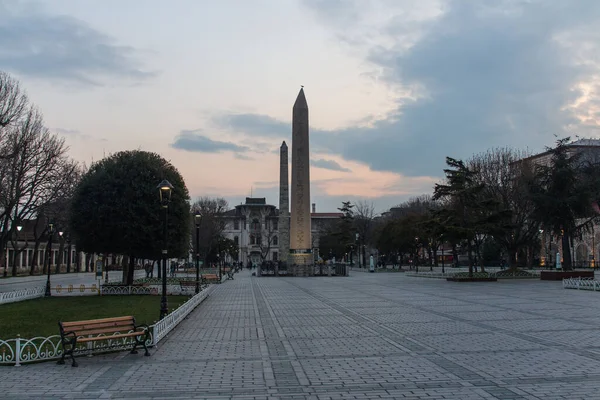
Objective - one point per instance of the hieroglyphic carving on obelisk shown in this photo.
(300, 240)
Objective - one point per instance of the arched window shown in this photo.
(255, 226)
(275, 241)
(236, 240)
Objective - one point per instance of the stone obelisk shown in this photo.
(301, 258)
(284, 204)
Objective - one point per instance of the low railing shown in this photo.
(429, 274)
(492, 271)
(22, 294)
(581, 284)
(167, 324)
(22, 351)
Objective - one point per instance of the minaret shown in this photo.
(300, 240)
(284, 204)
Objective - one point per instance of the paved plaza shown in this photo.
(367, 336)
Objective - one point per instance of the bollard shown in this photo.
(18, 351)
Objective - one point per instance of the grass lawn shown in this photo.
(39, 317)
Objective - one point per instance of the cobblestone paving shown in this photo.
(368, 336)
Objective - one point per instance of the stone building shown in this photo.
(255, 227)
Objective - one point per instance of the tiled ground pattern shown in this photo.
(368, 336)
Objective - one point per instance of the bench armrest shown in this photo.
(145, 331)
(70, 333)
(141, 326)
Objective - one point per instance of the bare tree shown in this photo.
(364, 214)
(13, 104)
(266, 237)
(506, 179)
(38, 173)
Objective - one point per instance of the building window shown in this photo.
(275, 225)
(252, 239)
(275, 241)
(255, 225)
(236, 240)
(236, 224)
(274, 256)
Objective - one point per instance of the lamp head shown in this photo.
(164, 189)
(19, 227)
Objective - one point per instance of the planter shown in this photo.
(560, 275)
(474, 279)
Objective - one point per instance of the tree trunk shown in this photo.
(46, 260)
(435, 259)
(124, 271)
(479, 258)
(364, 255)
(470, 254)
(454, 255)
(16, 252)
(566, 245)
(35, 262)
(61, 253)
(130, 270)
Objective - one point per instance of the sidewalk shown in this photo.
(365, 336)
(87, 278)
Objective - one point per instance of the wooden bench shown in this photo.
(184, 284)
(77, 332)
(207, 278)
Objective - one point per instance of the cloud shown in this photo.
(193, 141)
(244, 157)
(75, 134)
(328, 164)
(58, 47)
(253, 124)
(479, 75)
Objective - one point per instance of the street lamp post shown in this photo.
(219, 264)
(48, 293)
(19, 227)
(198, 221)
(416, 261)
(443, 261)
(358, 251)
(62, 253)
(164, 190)
(69, 254)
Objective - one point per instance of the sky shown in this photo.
(393, 86)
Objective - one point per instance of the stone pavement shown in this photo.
(367, 336)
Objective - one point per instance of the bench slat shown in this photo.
(97, 321)
(84, 332)
(122, 335)
(98, 326)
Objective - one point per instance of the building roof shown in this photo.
(585, 142)
(326, 215)
(259, 201)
